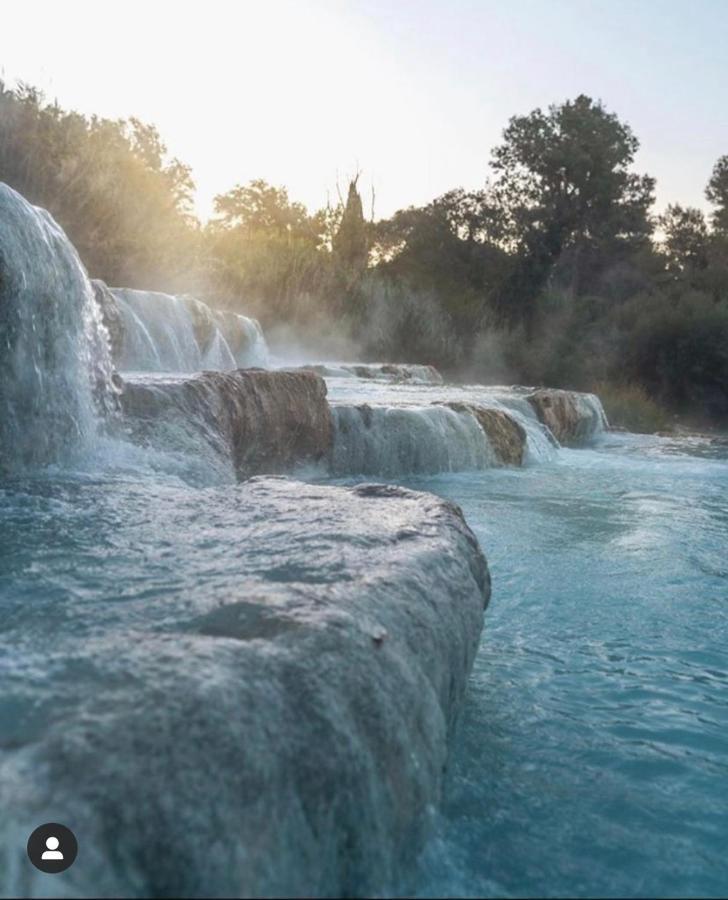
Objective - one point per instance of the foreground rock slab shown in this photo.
(273, 722)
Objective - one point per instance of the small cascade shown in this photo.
(55, 364)
(157, 332)
(572, 417)
(399, 373)
(393, 441)
(541, 445)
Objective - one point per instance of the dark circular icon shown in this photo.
(52, 848)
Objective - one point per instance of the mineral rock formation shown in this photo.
(572, 417)
(263, 421)
(506, 436)
(273, 723)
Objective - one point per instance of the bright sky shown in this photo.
(413, 93)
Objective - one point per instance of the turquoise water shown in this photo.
(592, 757)
(592, 753)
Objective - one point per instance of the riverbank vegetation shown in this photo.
(558, 271)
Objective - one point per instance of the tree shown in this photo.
(351, 241)
(685, 243)
(568, 196)
(125, 205)
(452, 246)
(717, 193)
(258, 208)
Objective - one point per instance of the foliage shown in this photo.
(552, 273)
(351, 241)
(717, 194)
(630, 406)
(571, 203)
(685, 243)
(124, 204)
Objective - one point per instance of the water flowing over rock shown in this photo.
(391, 441)
(157, 332)
(55, 368)
(279, 729)
(572, 417)
(505, 434)
(263, 421)
(395, 373)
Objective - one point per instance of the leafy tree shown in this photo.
(451, 246)
(717, 194)
(124, 204)
(568, 196)
(685, 243)
(258, 208)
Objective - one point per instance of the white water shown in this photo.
(170, 333)
(387, 441)
(55, 366)
(393, 373)
(393, 430)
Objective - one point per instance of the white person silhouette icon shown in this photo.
(52, 848)
(52, 852)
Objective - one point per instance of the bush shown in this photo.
(676, 345)
(629, 406)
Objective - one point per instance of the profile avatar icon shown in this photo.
(52, 843)
(52, 848)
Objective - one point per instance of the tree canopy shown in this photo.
(556, 270)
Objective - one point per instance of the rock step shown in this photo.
(279, 728)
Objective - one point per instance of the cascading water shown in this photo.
(247, 689)
(396, 373)
(55, 366)
(164, 332)
(390, 441)
(394, 430)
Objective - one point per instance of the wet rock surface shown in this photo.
(274, 722)
(263, 421)
(395, 373)
(506, 436)
(572, 417)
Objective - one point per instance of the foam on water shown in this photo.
(392, 373)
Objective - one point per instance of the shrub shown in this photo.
(628, 405)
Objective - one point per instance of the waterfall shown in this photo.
(392, 441)
(55, 365)
(157, 332)
(572, 417)
(541, 445)
(395, 373)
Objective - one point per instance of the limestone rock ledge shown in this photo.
(507, 436)
(266, 422)
(573, 417)
(282, 732)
